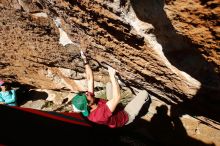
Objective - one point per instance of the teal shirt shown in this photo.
(8, 97)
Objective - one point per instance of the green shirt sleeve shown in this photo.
(1, 99)
(12, 99)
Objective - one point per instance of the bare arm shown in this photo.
(89, 77)
(89, 74)
(116, 91)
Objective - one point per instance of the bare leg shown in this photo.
(116, 91)
(135, 105)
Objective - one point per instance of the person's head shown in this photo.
(1, 82)
(90, 98)
(4, 86)
(80, 104)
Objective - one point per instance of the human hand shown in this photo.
(111, 71)
(83, 56)
(58, 22)
(2, 103)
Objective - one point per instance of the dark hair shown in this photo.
(7, 86)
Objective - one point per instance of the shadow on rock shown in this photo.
(25, 93)
(183, 54)
(166, 130)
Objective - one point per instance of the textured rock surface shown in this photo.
(170, 48)
(155, 53)
(182, 130)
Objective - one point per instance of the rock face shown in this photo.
(170, 48)
(147, 42)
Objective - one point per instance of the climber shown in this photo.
(7, 95)
(105, 112)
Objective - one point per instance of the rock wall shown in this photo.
(144, 41)
(170, 48)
